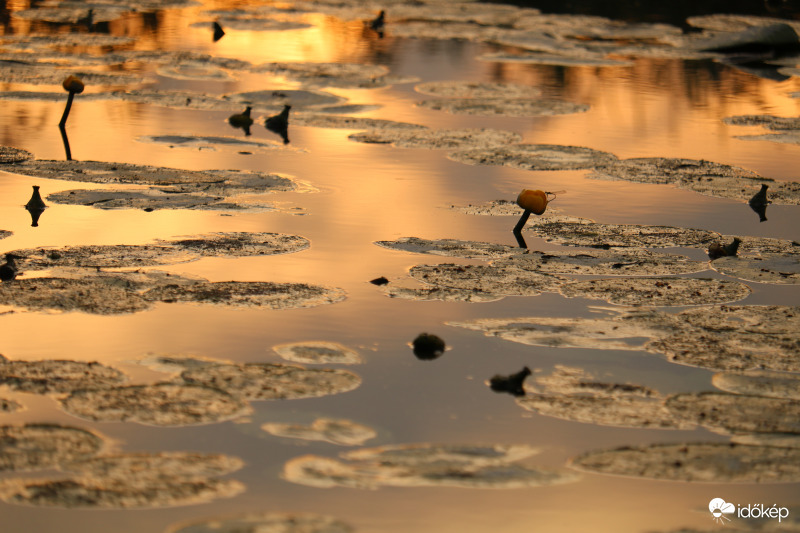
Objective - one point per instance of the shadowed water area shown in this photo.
(258, 270)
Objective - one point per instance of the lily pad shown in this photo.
(144, 480)
(257, 523)
(102, 256)
(248, 294)
(508, 107)
(759, 383)
(9, 154)
(425, 465)
(451, 247)
(533, 156)
(160, 404)
(468, 89)
(697, 462)
(297, 98)
(437, 139)
(773, 268)
(240, 244)
(42, 446)
(658, 291)
(346, 122)
(704, 177)
(335, 431)
(317, 352)
(345, 75)
(737, 413)
(486, 278)
(552, 59)
(127, 199)
(587, 233)
(57, 376)
(265, 381)
(92, 295)
(208, 142)
(442, 294)
(257, 24)
(624, 262)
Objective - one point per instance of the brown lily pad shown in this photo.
(317, 352)
(759, 383)
(436, 139)
(621, 262)
(161, 404)
(773, 268)
(508, 107)
(471, 89)
(256, 523)
(9, 154)
(737, 413)
(533, 156)
(335, 431)
(697, 462)
(240, 244)
(658, 291)
(57, 376)
(451, 247)
(265, 381)
(42, 446)
(487, 279)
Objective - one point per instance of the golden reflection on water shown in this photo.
(376, 192)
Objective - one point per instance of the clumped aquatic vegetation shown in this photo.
(466, 466)
(57, 376)
(717, 462)
(268, 381)
(336, 431)
(131, 480)
(255, 523)
(318, 352)
(159, 404)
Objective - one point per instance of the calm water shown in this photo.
(666, 108)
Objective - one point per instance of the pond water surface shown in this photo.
(351, 195)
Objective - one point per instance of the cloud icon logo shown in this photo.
(719, 508)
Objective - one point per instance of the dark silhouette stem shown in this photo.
(66, 109)
(518, 228)
(65, 139)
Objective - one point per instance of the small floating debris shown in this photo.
(534, 156)
(450, 247)
(659, 291)
(43, 446)
(255, 523)
(9, 406)
(266, 381)
(160, 404)
(133, 480)
(57, 376)
(759, 383)
(427, 346)
(219, 33)
(382, 280)
(414, 465)
(716, 462)
(437, 139)
(318, 352)
(335, 431)
(512, 384)
(508, 107)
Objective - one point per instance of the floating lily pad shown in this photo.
(737, 413)
(161, 404)
(437, 139)
(451, 247)
(565, 380)
(102, 256)
(9, 154)
(768, 439)
(467, 89)
(296, 98)
(509, 107)
(56, 376)
(95, 295)
(143, 480)
(240, 244)
(533, 156)
(335, 431)
(51, 41)
(768, 121)
(257, 24)
(424, 465)
(208, 142)
(658, 291)
(422, 29)
(704, 177)
(194, 71)
(247, 294)
(697, 462)
(486, 278)
(789, 137)
(773, 268)
(345, 122)
(634, 262)
(759, 383)
(42, 446)
(41, 74)
(442, 294)
(278, 522)
(552, 59)
(596, 235)
(733, 23)
(345, 75)
(175, 364)
(316, 352)
(128, 199)
(264, 381)
(9, 406)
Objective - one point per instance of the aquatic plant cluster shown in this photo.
(753, 351)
